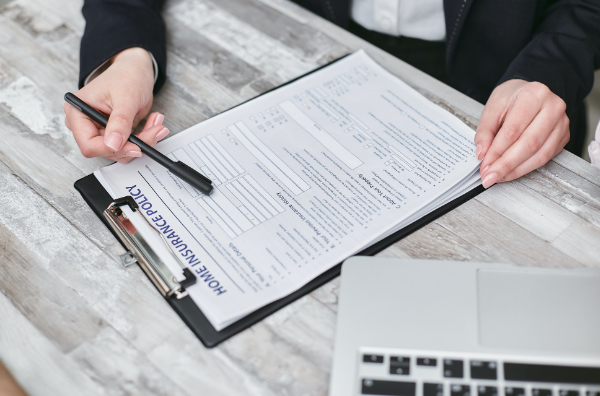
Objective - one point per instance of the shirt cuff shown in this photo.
(100, 69)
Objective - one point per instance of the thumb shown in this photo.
(119, 126)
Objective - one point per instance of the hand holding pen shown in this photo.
(124, 92)
(179, 169)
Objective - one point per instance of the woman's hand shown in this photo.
(124, 93)
(523, 126)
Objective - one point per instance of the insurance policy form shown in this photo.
(303, 177)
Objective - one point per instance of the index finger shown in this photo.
(489, 123)
(518, 118)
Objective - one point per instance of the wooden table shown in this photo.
(73, 321)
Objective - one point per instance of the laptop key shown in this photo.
(460, 390)
(453, 368)
(510, 391)
(568, 392)
(388, 388)
(427, 362)
(433, 389)
(483, 370)
(541, 392)
(487, 391)
(372, 358)
(399, 365)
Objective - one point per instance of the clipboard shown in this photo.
(174, 292)
(99, 200)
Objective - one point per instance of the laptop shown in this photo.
(441, 328)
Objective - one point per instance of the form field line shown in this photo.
(321, 135)
(226, 155)
(207, 162)
(252, 193)
(403, 157)
(264, 193)
(243, 198)
(279, 169)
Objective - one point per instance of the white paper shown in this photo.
(304, 177)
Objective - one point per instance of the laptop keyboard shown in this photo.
(424, 374)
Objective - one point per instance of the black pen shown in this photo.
(179, 169)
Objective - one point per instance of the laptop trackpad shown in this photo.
(539, 312)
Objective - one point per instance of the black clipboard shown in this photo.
(99, 200)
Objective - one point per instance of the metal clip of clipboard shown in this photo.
(140, 251)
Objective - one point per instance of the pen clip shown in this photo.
(148, 260)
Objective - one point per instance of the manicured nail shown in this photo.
(159, 119)
(133, 154)
(478, 151)
(161, 135)
(114, 141)
(484, 169)
(490, 179)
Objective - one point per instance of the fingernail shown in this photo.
(484, 169)
(161, 135)
(159, 119)
(490, 179)
(133, 154)
(114, 141)
(478, 151)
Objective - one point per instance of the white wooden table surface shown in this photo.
(73, 321)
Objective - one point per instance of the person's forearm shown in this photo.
(563, 52)
(112, 27)
(8, 385)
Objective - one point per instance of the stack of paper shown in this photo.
(304, 176)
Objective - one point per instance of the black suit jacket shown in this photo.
(555, 42)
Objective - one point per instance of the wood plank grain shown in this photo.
(288, 353)
(121, 369)
(44, 26)
(210, 96)
(206, 371)
(53, 63)
(236, 36)
(309, 327)
(567, 189)
(578, 166)
(207, 58)
(310, 43)
(123, 297)
(36, 106)
(49, 304)
(393, 251)
(582, 242)
(37, 363)
(502, 239)
(181, 109)
(283, 368)
(328, 294)
(435, 242)
(530, 210)
(68, 10)
(50, 175)
(286, 8)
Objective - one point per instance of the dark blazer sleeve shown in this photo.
(564, 51)
(114, 25)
